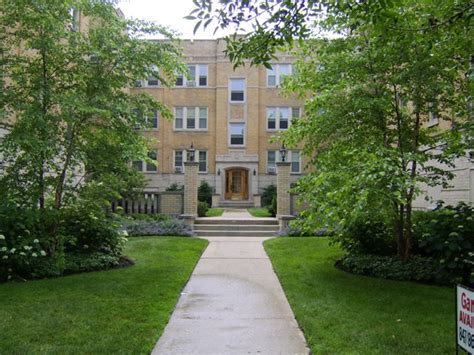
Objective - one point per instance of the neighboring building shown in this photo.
(229, 116)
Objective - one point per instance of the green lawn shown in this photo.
(214, 212)
(259, 212)
(117, 311)
(341, 313)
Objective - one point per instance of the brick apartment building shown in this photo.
(229, 116)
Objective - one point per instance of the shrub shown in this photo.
(175, 187)
(418, 268)
(203, 207)
(368, 233)
(273, 207)
(205, 193)
(171, 227)
(268, 194)
(91, 231)
(447, 235)
(26, 248)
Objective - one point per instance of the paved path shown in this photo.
(233, 304)
(236, 213)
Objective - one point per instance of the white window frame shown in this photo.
(229, 134)
(148, 119)
(278, 76)
(184, 153)
(197, 118)
(244, 91)
(199, 69)
(278, 116)
(198, 155)
(289, 159)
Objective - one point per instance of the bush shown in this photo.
(26, 248)
(447, 235)
(368, 233)
(175, 187)
(203, 207)
(205, 193)
(272, 209)
(268, 194)
(418, 268)
(171, 227)
(91, 231)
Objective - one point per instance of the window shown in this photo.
(179, 160)
(271, 161)
(293, 156)
(196, 71)
(280, 117)
(180, 156)
(202, 154)
(151, 119)
(145, 166)
(152, 155)
(295, 161)
(196, 118)
(75, 19)
(237, 90)
(236, 133)
(152, 80)
(276, 74)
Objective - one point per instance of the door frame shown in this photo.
(243, 195)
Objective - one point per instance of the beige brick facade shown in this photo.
(222, 156)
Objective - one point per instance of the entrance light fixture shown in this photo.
(283, 152)
(191, 152)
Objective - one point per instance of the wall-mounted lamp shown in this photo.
(283, 152)
(254, 172)
(219, 172)
(191, 153)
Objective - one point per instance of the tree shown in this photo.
(65, 90)
(65, 93)
(368, 94)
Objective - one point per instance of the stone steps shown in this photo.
(248, 227)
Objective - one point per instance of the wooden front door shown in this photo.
(237, 186)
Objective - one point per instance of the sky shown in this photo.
(170, 13)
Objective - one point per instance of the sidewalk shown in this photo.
(232, 304)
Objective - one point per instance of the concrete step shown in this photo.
(240, 227)
(234, 233)
(236, 221)
(236, 204)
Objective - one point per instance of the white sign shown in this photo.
(465, 318)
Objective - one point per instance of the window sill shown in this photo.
(201, 130)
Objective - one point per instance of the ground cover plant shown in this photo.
(116, 311)
(343, 313)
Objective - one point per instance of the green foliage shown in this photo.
(368, 233)
(26, 251)
(267, 195)
(272, 209)
(447, 235)
(203, 207)
(91, 231)
(83, 262)
(205, 193)
(418, 268)
(175, 187)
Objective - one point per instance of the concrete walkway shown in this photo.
(233, 304)
(236, 213)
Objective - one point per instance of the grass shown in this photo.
(117, 311)
(259, 212)
(342, 313)
(214, 212)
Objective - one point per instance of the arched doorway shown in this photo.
(236, 184)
